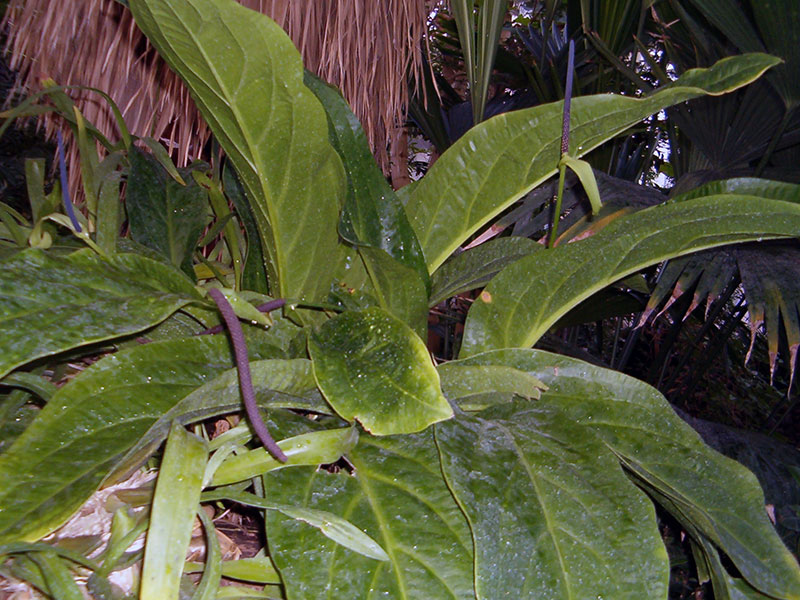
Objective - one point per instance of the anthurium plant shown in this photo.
(507, 473)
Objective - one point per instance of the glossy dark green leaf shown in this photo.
(49, 304)
(91, 423)
(521, 303)
(498, 161)
(172, 514)
(746, 186)
(163, 214)
(254, 276)
(715, 495)
(16, 413)
(373, 368)
(474, 268)
(551, 511)
(396, 495)
(246, 78)
(35, 384)
(373, 217)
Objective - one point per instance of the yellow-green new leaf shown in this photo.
(372, 367)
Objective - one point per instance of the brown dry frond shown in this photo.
(366, 48)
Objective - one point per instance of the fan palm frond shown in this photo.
(770, 279)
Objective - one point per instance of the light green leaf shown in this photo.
(330, 525)
(246, 77)
(497, 162)
(49, 304)
(315, 448)
(177, 493)
(711, 493)
(245, 310)
(551, 511)
(91, 423)
(258, 569)
(475, 267)
(396, 495)
(209, 582)
(373, 368)
(528, 297)
(583, 170)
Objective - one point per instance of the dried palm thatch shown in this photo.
(367, 48)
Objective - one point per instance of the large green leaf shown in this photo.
(528, 297)
(498, 161)
(551, 511)
(373, 368)
(397, 496)
(89, 425)
(399, 289)
(711, 493)
(163, 214)
(246, 77)
(49, 304)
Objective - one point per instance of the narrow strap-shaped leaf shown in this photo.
(172, 514)
(60, 581)
(212, 573)
(315, 448)
(332, 526)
